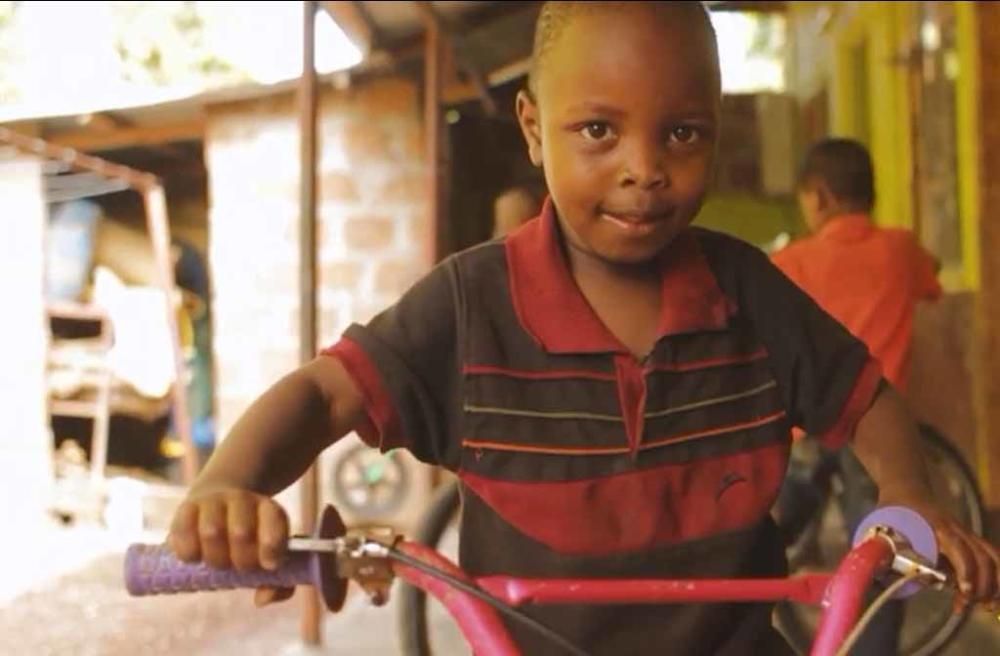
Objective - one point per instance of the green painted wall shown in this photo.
(755, 219)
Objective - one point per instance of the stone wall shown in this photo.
(372, 234)
(371, 225)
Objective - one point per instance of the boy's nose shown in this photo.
(643, 168)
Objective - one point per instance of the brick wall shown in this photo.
(371, 235)
(25, 443)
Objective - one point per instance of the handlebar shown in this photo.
(154, 570)
(890, 539)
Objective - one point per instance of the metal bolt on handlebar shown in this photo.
(905, 560)
(361, 555)
(365, 558)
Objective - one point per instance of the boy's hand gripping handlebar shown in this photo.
(326, 560)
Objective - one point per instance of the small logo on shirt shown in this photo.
(729, 480)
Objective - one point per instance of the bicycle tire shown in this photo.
(411, 613)
(369, 510)
(971, 491)
(800, 635)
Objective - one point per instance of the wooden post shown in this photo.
(159, 231)
(986, 374)
(447, 41)
(433, 74)
(308, 104)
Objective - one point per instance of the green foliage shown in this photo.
(163, 43)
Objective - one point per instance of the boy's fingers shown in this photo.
(986, 569)
(995, 556)
(212, 533)
(272, 534)
(962, 561)
(241, 520)
(183, 538)
(959, 604)
(978, 581)
(265, 596)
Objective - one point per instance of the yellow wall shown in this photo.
(968, 139)
(877, 115)
(881, 115)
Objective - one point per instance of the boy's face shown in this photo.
(814, 203)
(625, 128)
(809, 206)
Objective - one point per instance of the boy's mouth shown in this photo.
(636, 222)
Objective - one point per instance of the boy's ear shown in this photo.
(824, 197)
(527, 117)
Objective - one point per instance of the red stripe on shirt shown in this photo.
(550, 450)
(382, 430)
(651, 444)
(712, 362)
(860, 399)
(730, 428)
(643, 509)
(556, 374)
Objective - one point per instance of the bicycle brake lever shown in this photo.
(906, 560)
(318, 545)
(906, 564)
(360, 556)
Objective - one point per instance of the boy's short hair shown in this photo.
(845, 166)
(555, 16)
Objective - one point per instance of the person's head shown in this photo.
(836, 178)
(622, 114)
(512, 208)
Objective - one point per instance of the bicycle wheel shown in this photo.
(414, 613)
(369, 484)
(928, 624)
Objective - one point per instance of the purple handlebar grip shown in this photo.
(910, 525)
(153, 569)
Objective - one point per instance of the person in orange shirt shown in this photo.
(871, 280)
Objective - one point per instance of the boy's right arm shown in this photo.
(229, 518)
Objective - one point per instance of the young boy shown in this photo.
(868, 278)
(613, 389)
(871, 280)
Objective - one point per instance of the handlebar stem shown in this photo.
(846, 593)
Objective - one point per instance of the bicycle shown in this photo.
(818, 543)
(929, 624)
(891, 539)
(369, 484)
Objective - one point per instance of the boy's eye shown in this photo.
(685, 134)
(596, 131)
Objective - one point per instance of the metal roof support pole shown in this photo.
(308, 101)
(155, 203)
(433, 138)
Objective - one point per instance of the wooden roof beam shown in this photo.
(124, 137)
(759, 6)
(448, 32)
(352, 18)
(464, 92)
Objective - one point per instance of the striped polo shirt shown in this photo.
(578, 460)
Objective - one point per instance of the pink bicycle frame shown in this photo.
(841, 594)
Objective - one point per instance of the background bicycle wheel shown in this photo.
(929, 623)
